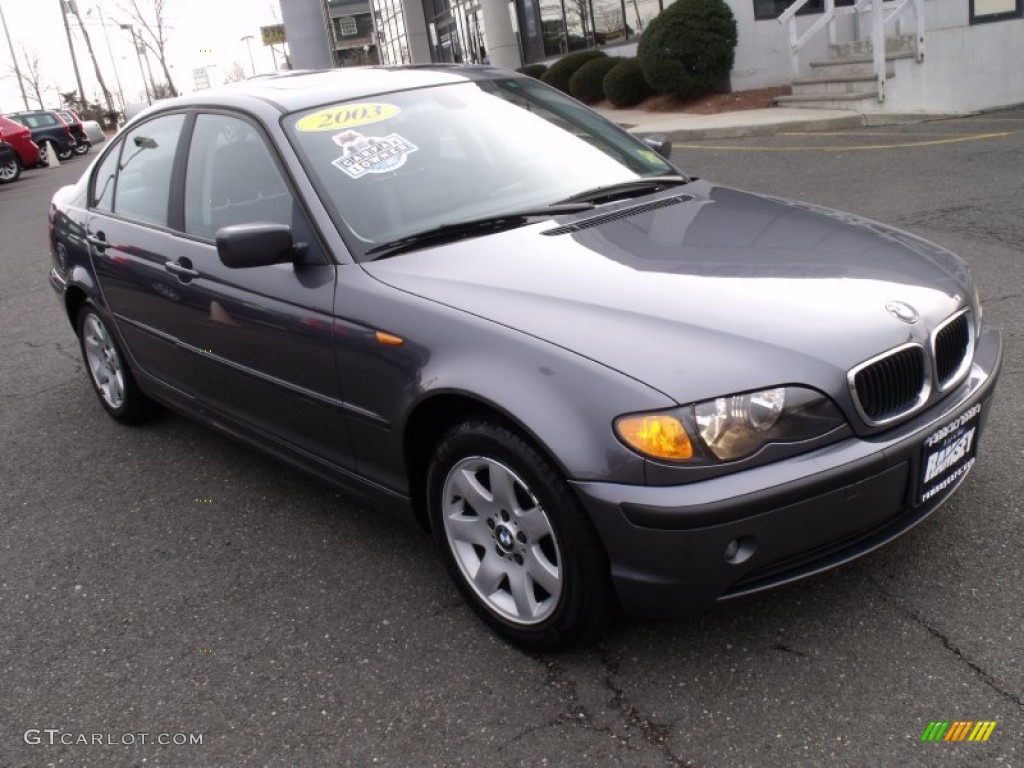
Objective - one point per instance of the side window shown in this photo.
(103, 181)
(232, 178)
(143, 185)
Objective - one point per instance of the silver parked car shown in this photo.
(595, 379)
(94, 132)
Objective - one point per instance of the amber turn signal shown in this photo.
(658, 435)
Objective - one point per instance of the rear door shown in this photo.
(131, 240)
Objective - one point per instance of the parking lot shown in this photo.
(164, 581)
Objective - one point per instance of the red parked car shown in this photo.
(26, 150)
(74, 122)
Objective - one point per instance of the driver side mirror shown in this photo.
(661, 144)
(241, 246)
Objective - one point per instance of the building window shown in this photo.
(995, 10)
(555, 27)
(347, 26)
(772, 9)
(392, 44)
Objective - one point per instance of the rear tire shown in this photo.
(516, 540)
(62, 154)
(10, 171)
(108, 371)
(82, 147)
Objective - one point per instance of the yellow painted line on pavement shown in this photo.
(856, 147)
(862, 132)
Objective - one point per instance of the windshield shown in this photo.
(401, 163)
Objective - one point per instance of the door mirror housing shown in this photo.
(661, 144)
(241, 246)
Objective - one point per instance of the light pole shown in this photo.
(17, 69)
(138, 55)
(71, 47)
(72, 5)
(248, 43)
(110, 52)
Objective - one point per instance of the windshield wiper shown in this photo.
(458, 230)
(623, 189)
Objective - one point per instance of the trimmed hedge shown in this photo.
(558, 74)
(624, 84)
(689, 48)
(587, 82)
(533, 70)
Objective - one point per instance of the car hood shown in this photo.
(701, 291)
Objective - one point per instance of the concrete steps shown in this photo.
(846, 79)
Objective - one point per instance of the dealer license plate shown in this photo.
(948, 454)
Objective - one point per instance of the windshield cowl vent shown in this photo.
(622, 213)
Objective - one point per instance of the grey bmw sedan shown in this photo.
(597, 381)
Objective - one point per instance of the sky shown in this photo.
(201, 33)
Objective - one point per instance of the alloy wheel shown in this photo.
(104, 362)
(502, 540)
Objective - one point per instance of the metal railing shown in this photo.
(883, 12)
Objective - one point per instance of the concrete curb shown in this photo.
(739, 125)
(763, 129)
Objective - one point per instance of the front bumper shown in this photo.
(670, 546)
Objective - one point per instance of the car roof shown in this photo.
(296, 90)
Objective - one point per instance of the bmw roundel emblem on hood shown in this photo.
(902, 311)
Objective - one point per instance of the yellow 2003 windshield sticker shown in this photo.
(347, 116)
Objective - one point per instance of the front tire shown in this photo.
(516, 540)
(10, 171)
(110, 375)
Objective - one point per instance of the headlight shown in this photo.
(731, 427)
(738, 425)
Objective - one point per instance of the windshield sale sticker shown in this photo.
(371, 154)
(346, 116)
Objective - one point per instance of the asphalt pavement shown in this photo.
(164, 584)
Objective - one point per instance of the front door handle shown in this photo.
(99, 242)
(182, 268)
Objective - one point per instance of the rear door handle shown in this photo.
(98, 242)
(183, 271)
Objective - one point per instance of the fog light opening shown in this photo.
(740, 550)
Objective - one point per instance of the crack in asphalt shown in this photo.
(950, 646)
(786, 649)
(630, 716)
(997, 299)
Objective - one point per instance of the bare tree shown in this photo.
(236, 73)
(163, 91)
(152, 21)
(32, 76)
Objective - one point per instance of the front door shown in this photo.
(252, 346)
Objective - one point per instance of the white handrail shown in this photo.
(880, 17)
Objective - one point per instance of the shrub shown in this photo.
(624, 84)
(558, 74)
(689, 48)
(586, 83)
(533, 70)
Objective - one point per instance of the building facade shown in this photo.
(329, 33)
(971, 44)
